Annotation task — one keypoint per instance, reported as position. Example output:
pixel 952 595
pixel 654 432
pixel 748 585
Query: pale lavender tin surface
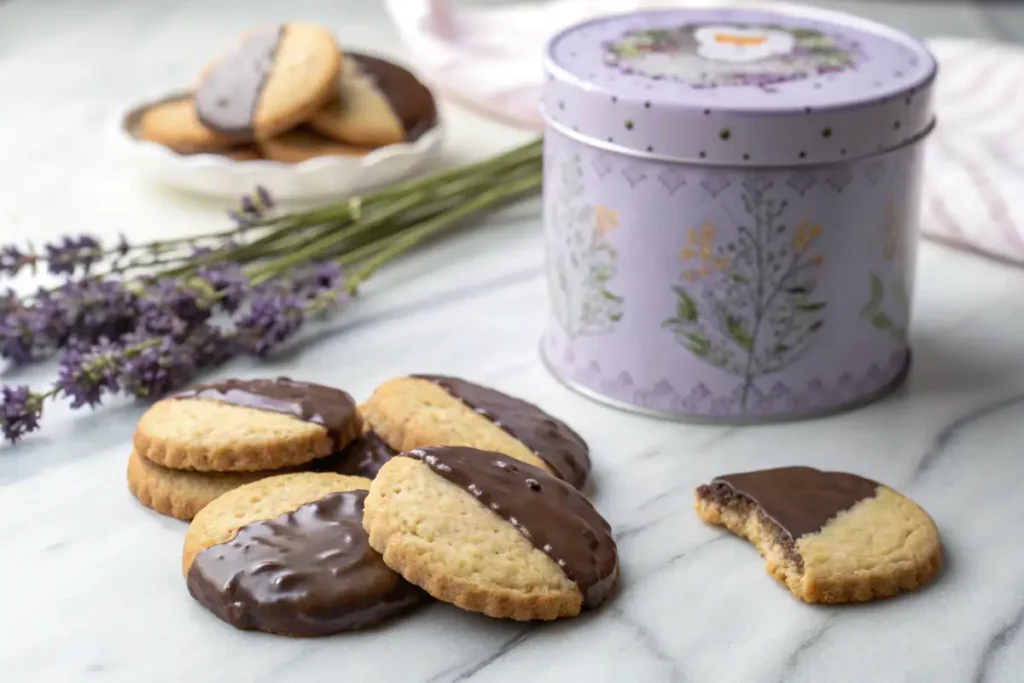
pixel 731 213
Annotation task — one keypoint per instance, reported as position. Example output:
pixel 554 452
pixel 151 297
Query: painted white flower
pixel 735 44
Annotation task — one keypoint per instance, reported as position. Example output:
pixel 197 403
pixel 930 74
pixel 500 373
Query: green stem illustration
pixel 756 315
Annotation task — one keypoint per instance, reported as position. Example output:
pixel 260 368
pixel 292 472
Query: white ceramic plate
pixel 218 176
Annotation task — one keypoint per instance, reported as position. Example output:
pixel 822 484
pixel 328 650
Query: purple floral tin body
pixel 731 207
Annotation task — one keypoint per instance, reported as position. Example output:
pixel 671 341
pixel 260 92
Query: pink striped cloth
pixel 486 58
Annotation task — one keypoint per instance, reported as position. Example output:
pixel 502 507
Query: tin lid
pixel 739 87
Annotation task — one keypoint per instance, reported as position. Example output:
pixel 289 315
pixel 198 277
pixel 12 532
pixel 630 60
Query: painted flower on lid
pixel 740 44
pixel 707 56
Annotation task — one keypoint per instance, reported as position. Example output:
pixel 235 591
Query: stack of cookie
pixel 435 487
pixel 210 439
pixel 289 93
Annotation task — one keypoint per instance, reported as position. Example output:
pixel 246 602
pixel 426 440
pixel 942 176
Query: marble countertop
pixel 90 583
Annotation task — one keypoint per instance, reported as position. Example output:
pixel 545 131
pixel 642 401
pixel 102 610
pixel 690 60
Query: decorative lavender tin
pixel 731 207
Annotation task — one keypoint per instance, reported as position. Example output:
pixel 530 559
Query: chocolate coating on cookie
pixel 310 572
pixel 798 500
pixel 548 512
pixel 553 441
pixel 332 409
pixel 227 99
pixel 362 458
pixel 409 99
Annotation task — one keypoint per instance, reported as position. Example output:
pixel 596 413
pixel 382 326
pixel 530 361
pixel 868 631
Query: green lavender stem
pixel 337 224
pixel 414 236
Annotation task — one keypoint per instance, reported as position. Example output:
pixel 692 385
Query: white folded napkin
pixel 489 58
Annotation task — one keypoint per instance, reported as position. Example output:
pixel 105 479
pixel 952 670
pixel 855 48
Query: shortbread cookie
pixel 182 493
pixel 289 555
pixel 377 103
pixel 433 410
pixel 247 425
pixel 490 534
pixel 274 79
pixel 302 144
pixel 174 125
pixel 830 537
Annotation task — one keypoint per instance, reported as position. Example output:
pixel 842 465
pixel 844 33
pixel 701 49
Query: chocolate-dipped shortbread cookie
pixel 829 537
pixel 289 555
pixel 434 410
pixel 275 78
pixel 377 103
pixel 173 123
pixel 491 534
pixel 247 425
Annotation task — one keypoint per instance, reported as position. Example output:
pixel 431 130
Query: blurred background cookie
pixel 432 410
pixel 303 144
pixel 243 153
pixel 247 425
pixel 289 555
pixel 377 103
pixel 829 537
pixel 274 79
pixel 490 534
pixel 174 124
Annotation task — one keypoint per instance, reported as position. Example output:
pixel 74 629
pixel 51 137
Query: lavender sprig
pixel 142 320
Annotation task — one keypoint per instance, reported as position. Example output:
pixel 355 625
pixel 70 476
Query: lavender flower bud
pixel 13 259
pixel 20 411
pixel 154 369
pixel 228 282
pixel 176 298
pixel 272 318
pixel 72 254
pixel 249 207
pixel 264 198
pixel 86 374
pixel 88 310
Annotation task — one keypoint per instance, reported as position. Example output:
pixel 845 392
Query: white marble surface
pixel 90 583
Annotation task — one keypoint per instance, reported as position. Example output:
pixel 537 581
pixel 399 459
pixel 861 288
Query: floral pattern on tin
pixel 708 56
pixel 888 304
pixel 582 266
pixel 748 307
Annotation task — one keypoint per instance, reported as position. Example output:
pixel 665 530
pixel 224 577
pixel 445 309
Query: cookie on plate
pixel 377 103
pixel 243 153
pixel 829 537
pixel 491 534
pixel 173 123
pixel 247 425
pixel 302 144
pixel 288 555
pixel 431 410
pixel 182 493
pixel 275 78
